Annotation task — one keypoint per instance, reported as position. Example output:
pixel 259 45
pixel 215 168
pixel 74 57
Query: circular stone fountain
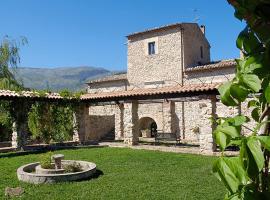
pixel 34 173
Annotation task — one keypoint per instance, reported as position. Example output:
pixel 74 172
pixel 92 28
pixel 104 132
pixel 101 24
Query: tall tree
pixel 9 59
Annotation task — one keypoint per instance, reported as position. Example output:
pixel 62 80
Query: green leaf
pixel 253 103
pixel 251 81
pixel 239 92
pixel 225 94
pixel 241 37
pixel 252 63
pixel 267 93
pixel 255 148
pixel 229 130
pixel 235 142
pixel 265 141
pixel 224 173
pixel 251 43
pixel 239 120
pixel 255 114
pixel 221 139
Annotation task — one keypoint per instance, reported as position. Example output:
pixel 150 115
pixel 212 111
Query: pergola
pixel 207 92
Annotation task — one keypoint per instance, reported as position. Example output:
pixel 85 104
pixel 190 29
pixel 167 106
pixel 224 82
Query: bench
pixel 161 136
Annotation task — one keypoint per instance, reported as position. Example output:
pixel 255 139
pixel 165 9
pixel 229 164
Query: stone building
pixel 170 85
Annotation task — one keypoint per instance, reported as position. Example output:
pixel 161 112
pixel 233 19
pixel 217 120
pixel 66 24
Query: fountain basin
pixel 27 173
pixel 40 170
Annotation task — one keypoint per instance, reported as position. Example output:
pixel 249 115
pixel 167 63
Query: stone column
pixel 131 133
pixel 18 135
pixel 14 142
pixel 75 137
pixel 119 128
pixel 80 123
pixel 168 115
pixel 19 126
pixel 207 110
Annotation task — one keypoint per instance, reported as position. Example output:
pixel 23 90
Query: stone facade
pixel 181 57
pixel 175 49
pixel 209 76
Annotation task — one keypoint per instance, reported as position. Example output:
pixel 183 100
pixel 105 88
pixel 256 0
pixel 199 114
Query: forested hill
pixel 55 79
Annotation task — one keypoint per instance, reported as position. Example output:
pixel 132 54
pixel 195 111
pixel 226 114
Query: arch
pixel 147 126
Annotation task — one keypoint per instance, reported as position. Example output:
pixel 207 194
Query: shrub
pixel 45 161
pixel 73 167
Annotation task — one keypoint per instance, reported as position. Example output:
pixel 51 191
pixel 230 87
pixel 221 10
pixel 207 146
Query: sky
pixel 69 33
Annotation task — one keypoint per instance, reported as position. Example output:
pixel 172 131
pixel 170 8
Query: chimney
pixel 202 27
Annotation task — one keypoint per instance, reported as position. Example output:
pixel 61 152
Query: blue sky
pixel 92 32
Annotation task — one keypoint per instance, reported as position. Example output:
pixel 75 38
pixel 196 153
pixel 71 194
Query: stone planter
pixel 28 174
pixel 40 170
pixel 146 133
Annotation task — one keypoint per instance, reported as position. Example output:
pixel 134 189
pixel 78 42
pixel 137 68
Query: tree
pixel 247 175
pixel 9 59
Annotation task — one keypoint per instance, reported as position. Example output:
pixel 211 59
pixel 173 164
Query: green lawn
pixel 125 174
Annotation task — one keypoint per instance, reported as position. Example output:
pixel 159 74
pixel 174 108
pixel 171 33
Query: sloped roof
pixel 115 77
pixel 213 65
pixel 28 94
pixel 151 92
pixel 168 26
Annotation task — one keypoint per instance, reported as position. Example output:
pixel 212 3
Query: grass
pixel 124 174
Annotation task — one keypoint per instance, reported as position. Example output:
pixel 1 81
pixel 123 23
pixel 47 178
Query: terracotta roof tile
pixel 115 77
pixel 28 94
pixel 149 92
pixel 213 65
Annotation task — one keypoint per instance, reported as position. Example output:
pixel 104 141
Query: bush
pixel 73 167
pixel 45 161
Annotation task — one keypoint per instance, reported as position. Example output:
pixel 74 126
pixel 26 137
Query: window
pixel 151 48
pixel 201 48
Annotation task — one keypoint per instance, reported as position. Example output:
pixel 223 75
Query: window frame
pixel 152 48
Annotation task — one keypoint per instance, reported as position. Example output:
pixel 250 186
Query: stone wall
pixel 209 76
pixel 130 118
pixel 107 86
pixel 99 126
pixel 99 121
pixel 187 120
pixel 152 110
pixel 194 40
pixel 207 110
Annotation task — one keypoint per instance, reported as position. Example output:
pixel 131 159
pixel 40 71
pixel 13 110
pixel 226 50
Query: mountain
pixel 55 79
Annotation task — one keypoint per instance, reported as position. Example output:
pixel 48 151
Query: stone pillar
pixel 168 115
pixel 14 142
pixel 80 123
pixel 207 111
pixel 75 136
pixel 18 135
pixel 130 118
pixel 119 122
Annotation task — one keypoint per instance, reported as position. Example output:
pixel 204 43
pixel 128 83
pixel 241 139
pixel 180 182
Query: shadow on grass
pixel 96 175
pixel 169 144
pixel 39 150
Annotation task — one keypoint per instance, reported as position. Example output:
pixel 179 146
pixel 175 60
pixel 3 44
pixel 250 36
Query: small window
pixel 151 48
pixel 201 48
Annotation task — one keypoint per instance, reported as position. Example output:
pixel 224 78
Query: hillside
pixel 55 79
